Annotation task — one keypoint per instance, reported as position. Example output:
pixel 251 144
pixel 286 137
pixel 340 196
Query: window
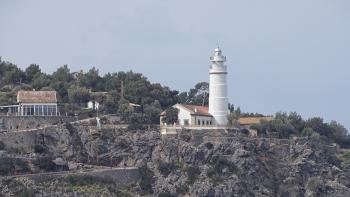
pixel 186 122
pixel 207 122
pixel 203 123
pixel 45 110
pixel 199 122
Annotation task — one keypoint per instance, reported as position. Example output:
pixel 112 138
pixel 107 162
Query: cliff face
pixel 218 163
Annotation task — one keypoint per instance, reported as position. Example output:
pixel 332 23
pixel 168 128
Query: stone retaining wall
pixel 117 175
pixel 15 123
pixel 24 141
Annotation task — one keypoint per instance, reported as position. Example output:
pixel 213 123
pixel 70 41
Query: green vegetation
pixel 221 168
pixel 171 115
pixel 114 92
pixel 209 145
pixel 165 194
pixel 38 148
pixel 118 92
pixel 345 156
pixel 10 166
pixel 81 180
pixel 47 165
pixel 165 168
pixel 146 180
pixel 2 145
pixel 292 124
pixel 192 173
pixel 27 193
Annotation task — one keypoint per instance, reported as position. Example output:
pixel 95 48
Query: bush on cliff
pixel 80 180
pixel 192 174
pixel 38 148
pixel 46 164
pixel 146 179
pixel 2 145
pixel 165 168
pixel 10 166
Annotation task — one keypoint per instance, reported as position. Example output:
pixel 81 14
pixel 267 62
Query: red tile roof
pixel 197 109
pixel 194 110
pixel 36 97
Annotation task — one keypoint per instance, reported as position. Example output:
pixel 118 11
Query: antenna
pixel 218 44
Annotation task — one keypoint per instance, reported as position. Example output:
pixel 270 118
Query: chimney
pixel 195 109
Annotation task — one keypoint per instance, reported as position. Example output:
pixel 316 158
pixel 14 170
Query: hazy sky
pixel 289 55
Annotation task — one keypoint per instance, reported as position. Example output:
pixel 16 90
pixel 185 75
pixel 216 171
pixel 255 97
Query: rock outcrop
pixel 210 163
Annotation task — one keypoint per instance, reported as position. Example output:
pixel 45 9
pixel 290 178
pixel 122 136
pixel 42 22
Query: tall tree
pixel 31 71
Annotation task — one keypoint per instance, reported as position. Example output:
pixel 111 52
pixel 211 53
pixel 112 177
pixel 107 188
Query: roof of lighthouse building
pixel 193 109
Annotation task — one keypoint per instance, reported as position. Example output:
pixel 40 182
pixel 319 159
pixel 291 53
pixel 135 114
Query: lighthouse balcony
pixel 218 58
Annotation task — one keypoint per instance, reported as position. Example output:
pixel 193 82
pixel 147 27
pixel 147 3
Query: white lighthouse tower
pixel 218 101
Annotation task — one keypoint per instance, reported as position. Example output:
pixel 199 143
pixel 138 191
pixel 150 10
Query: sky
pixel 282 55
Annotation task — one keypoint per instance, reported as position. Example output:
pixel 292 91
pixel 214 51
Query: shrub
pixel 80 180
pixel 10 166
pixel 38 148
pixel 2 145
pixel 6 167
pixel 209 145
pixel 307 131
pixel 192 173
pixel 165 194
pixel 221 163
pixel 165 168
pixel 182 189
pixel 46 164
pixel 70 128
pixel 146 179
pixel 26 193
pixel 185 136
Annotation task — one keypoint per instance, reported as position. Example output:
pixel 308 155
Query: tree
pixel 40 80
pixel 152 112
pixel 124 110
pixel 13 75
pixel 296 120
pixel 171 115
pixel 32 71
pixel 62 74
pixel 78 94
pixel 92 80
pixel 199 95
pixel 61 81
pixel 307 131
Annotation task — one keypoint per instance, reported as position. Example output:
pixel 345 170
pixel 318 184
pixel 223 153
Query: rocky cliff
pixel 211 163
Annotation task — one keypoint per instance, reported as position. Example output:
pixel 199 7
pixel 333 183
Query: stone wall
pixel 119 176
pixel 21 141
pixel 24 141
pixel 17 123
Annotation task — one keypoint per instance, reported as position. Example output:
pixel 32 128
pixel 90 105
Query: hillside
pixel 193 163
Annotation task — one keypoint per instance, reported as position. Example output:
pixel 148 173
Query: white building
pixel 217 112
pixel 93 105
pixel 34 103
pixel 191 115
pixel 218 101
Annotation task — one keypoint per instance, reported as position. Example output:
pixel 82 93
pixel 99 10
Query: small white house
pixel 191 116
pixel 93 105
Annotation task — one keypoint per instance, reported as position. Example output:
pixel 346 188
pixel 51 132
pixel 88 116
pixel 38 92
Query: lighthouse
pixel 218 101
